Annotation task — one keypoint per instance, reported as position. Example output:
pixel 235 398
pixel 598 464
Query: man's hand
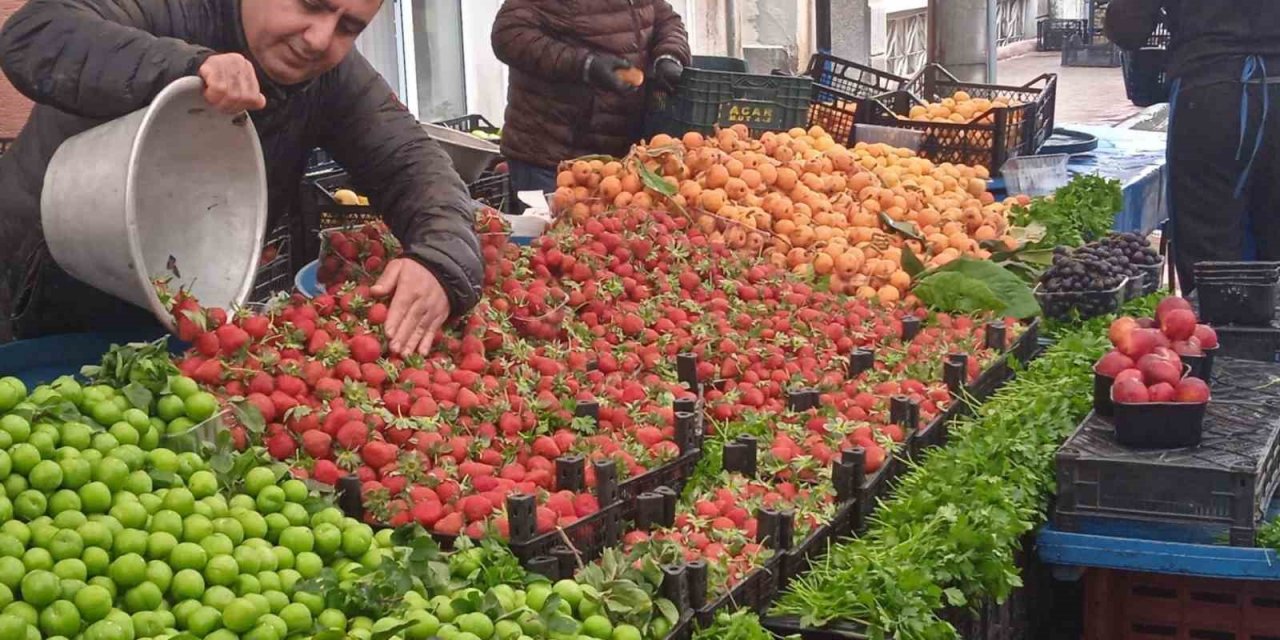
pixel 666 73
pixel 419 306
pixel 231 84
pixel 602 72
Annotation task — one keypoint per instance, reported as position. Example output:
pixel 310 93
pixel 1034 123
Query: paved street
pixel 1086 95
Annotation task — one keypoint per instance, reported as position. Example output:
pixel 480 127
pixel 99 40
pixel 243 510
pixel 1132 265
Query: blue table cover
pixel 1133 550
pixel 1137 160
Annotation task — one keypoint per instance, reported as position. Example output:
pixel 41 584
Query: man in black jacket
pixel 1224 132
pixel 290 64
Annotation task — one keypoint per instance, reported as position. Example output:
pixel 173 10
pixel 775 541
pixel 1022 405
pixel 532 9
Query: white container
pixel 176 181
pixel 1036 175
pixel 471 155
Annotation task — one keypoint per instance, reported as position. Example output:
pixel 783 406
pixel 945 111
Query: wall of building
pixel 13 107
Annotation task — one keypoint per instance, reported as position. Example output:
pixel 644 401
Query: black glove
pixel 602 71
pixel 666 74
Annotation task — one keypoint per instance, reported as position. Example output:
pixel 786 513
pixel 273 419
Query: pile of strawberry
pixel 598 312
pixel 357 254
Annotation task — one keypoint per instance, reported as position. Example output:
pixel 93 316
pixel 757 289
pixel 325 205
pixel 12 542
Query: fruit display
pixel 960 108
pixel 1156 376
pixel 806 203
pixel 594 312
pixel 1090 280
pixel 108 536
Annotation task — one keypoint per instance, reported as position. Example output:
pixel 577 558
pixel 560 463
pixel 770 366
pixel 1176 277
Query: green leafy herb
pixel 1080 212
pixel 948 536
pixel 739 625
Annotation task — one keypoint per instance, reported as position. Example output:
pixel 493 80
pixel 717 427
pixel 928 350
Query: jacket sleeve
pixel 100 58
pixel 669 35
pixel 1130 22
pixel 522 38
pixel 407 175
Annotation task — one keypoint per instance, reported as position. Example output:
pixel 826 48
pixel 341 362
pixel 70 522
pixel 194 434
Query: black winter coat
pixel 87 61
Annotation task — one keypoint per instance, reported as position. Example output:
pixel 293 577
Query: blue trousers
pixel 528 177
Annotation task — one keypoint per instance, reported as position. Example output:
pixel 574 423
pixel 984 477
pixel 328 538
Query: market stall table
pixel 1137 160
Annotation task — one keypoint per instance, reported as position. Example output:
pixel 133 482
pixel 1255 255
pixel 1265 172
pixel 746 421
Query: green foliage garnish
pixel 1080 212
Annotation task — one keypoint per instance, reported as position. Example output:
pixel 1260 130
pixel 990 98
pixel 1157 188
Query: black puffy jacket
pixel 1211 38
pixel 87 61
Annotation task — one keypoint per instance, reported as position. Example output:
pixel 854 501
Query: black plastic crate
pixel 796 560
pixel 708 99
pixel 1079 52
pixel 755 592
pixel 469 123
pixel 1023 350
pixel 672 475
pixel 1006 132
pixel 1021 615
pixel 577 544
pixel 1146 82
pixel 1051 33
pixel 276 266
pixel 1223 485
pixel 839 88
pixel 719 63
pixel 493 190
pixel 1249 343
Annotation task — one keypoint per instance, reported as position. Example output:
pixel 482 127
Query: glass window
pixel 438 59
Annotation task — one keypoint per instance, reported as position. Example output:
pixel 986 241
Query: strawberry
pixel 207 344
pixel 397 401
pixel 208 373
pixel 585 504
pixel 352 435
pixel 317 342
pixel 449 525
pixel 264 405
pixel 281 446
pixel 475 508
pixel 290 385
pixel 376 453
pixel 546 518
pixel 377 314
pixel 327 472
pixel 365 348
pixel 546 447
pixel 427 512
pixel 231 339
pixel 317 444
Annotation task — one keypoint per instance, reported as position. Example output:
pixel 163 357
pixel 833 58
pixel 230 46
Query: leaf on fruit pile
pixel 901 228
pixel 652 180
pixel 969 285
pixel 957 293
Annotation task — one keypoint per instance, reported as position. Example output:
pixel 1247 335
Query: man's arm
pixel 669 35
pixel 1130 22
pixel 521 40
pixel 99 58
pixel 407 175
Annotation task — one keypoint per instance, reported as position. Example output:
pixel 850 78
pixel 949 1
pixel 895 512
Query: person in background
pixel 290 64
pixel 567 96
pixel 1224 128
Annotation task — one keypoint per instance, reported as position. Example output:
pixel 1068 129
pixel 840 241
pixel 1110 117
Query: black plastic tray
pixel 1223 484
pixel 708 99
pixel 1251 304
pixel 1249 343
pixel 577 544
pixel 755 592
pixel 796 560
pixel 673 475
pixel 1019 617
